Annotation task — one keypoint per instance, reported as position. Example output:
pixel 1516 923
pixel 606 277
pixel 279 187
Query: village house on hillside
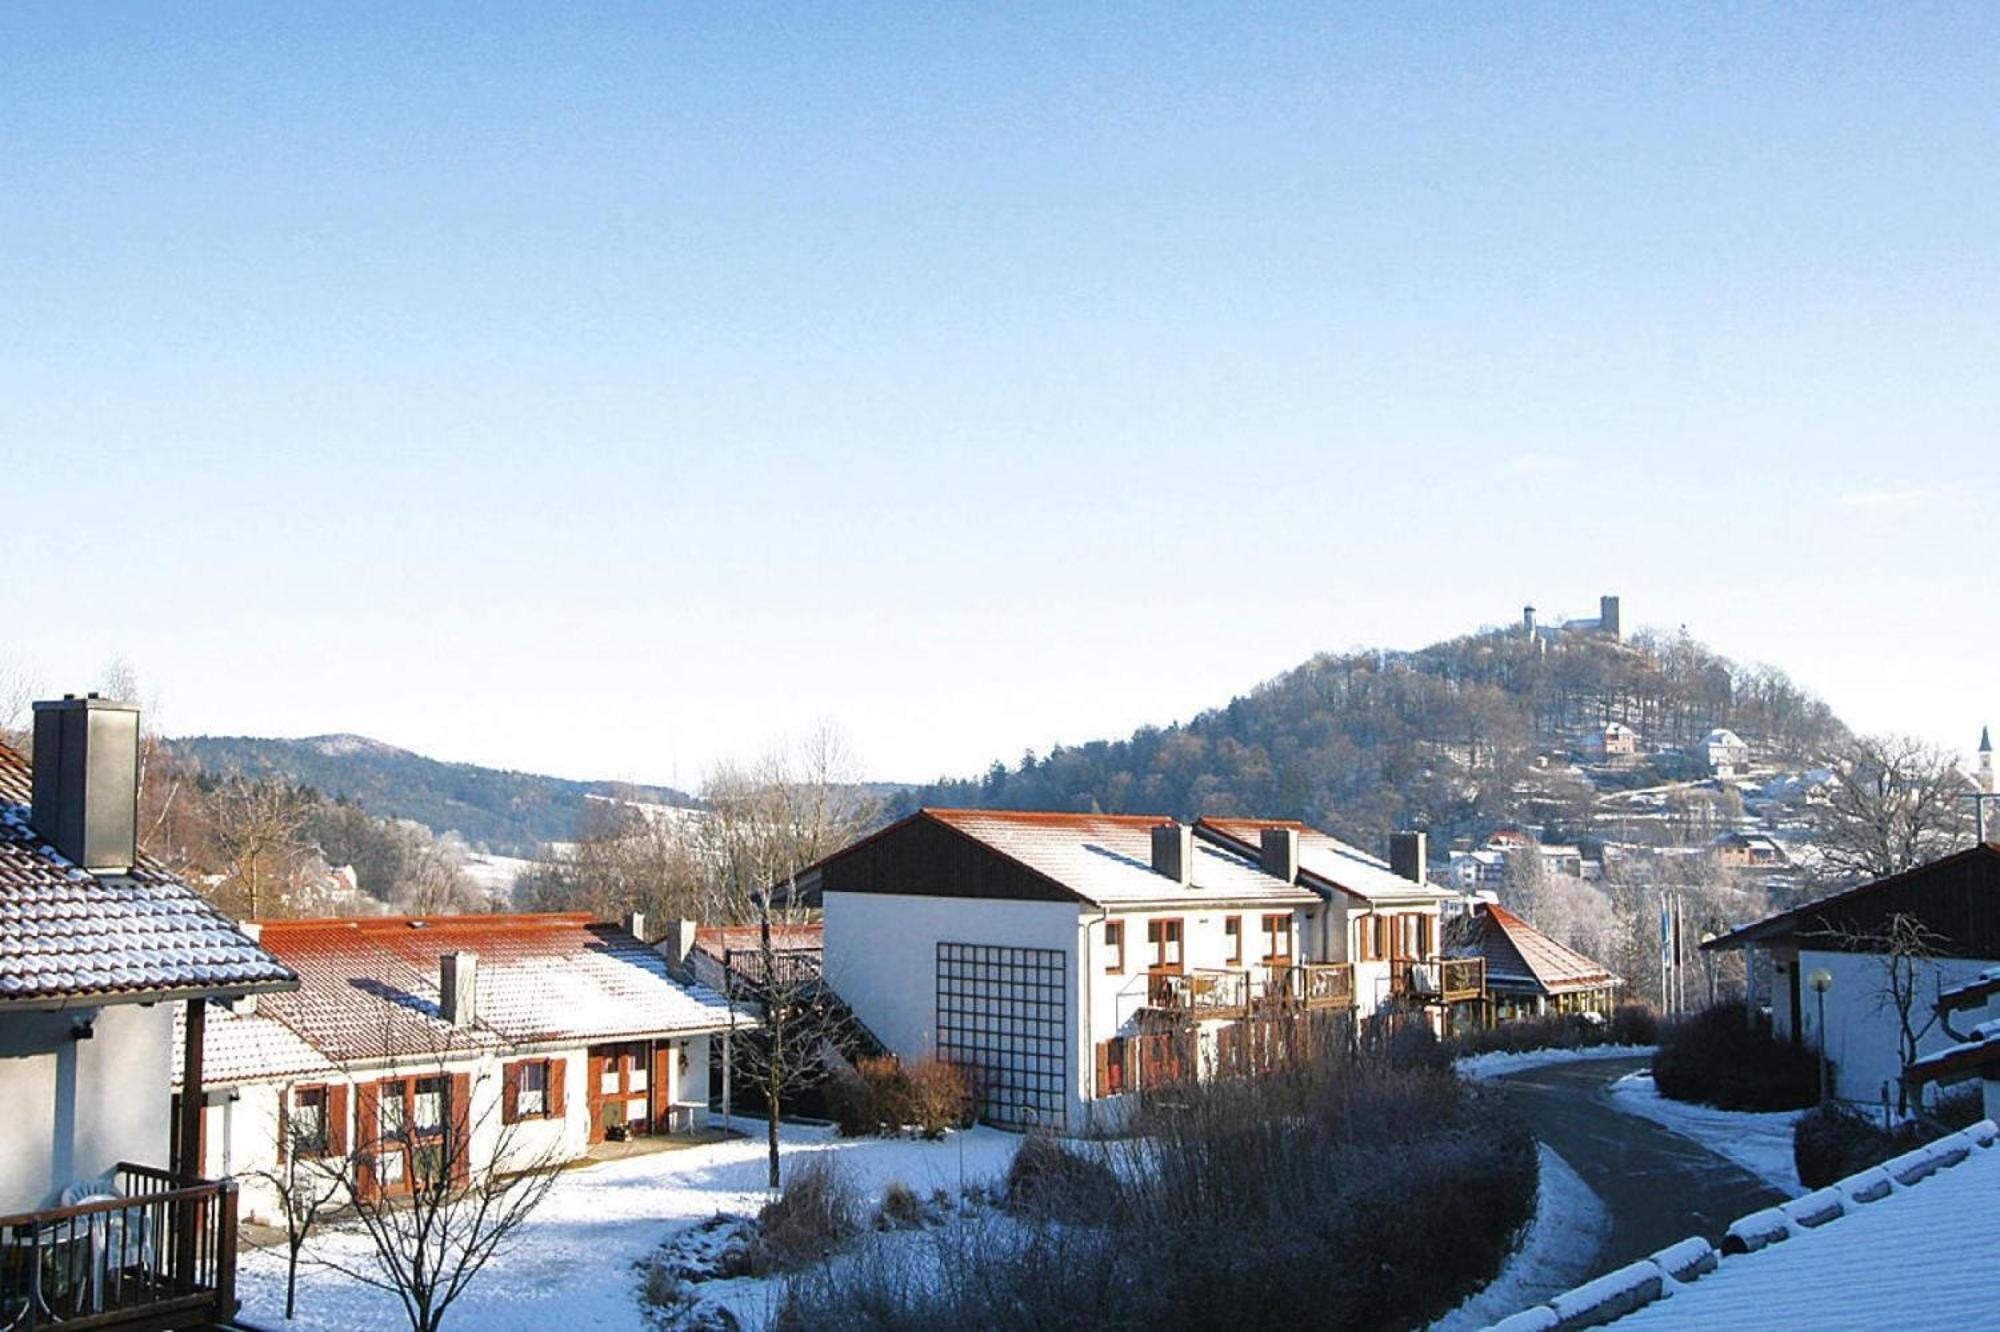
pixel 1725 752
pixel 101 951
pixel 1610 742
pixel 1957 902
pixel 1069 960
pixel 536 1035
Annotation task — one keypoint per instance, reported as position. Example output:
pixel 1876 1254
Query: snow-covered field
pixel 1759 1141
pixel 574 1266
pixel 1562 1242
pixel 1502 1062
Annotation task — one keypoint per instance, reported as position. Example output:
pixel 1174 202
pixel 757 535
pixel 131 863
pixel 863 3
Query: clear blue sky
pixel 607 392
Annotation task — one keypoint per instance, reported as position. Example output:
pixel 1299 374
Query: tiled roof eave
pixel 88 997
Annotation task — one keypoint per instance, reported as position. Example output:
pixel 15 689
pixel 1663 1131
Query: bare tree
pixel 1906 983
pixel 258 822
pixel 448 1214
pixel 310 1177
pixel 1895 803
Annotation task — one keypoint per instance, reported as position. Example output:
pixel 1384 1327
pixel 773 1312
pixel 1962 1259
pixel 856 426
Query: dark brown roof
pixel 1956 896
pixel 67 935
pixel 1520 957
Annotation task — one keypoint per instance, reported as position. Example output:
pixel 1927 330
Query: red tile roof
pixel 371 985
pixel 67 934
pixel 1520 956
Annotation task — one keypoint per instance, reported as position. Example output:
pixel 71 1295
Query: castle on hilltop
pixel 1607 623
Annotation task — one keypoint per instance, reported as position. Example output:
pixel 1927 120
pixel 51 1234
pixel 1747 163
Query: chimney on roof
pixel 1279 856
pixel 458 987
pixel 635 925
pixel 676 945
pixel 1409 855
pixel 86 794
pixel 1173 852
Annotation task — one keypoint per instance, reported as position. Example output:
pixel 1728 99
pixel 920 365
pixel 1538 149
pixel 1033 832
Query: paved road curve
pixel 1658 1186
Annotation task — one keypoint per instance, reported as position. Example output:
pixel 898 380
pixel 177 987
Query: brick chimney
pixel 458 987
pixel 1173 852
pixel 86 792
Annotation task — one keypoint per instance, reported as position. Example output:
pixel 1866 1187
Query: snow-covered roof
pixel 67 934
pixel 1327 860
pixel 1904 1244
pixel 1106 859
pixel 247 1047
pixel 370 988
pixel 1722 735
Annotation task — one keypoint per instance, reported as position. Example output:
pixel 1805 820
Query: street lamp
pixel 1821 981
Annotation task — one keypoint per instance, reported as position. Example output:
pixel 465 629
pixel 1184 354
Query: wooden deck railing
pixel 1438 980
pixel 1462 978
pixel 162 1254
pixel 1201 992
pixel 1219 993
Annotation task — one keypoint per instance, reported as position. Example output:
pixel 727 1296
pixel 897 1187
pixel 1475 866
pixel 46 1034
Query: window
pixel 531 1093
pixel 1425 926
pixel 1165 938
pixel 309 1121
pixel 407 1128
pixel 1374 938
pixel 1232 938
pixel 1111 1066
pixel 1114 945
pixel 1278 938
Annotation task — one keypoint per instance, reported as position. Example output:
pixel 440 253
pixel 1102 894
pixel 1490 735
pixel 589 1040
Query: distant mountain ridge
pixel 512 813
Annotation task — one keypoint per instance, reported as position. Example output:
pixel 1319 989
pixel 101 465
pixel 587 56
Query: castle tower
pixel 1527 621
pixel 1607 617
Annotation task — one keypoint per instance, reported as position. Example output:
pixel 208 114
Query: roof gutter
pixel 63 1003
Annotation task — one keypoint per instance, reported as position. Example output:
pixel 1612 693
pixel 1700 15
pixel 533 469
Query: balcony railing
pixel 1439 980
pixel 1202 992
pixel 161 1254
pixel 1216 993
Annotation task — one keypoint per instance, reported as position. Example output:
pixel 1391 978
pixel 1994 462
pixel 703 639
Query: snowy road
pixel 1659 1186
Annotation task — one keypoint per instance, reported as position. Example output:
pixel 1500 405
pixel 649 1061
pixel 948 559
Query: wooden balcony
pixel 1446 980
pixel 1317 985
pixel 1200 993
pixel 161 1254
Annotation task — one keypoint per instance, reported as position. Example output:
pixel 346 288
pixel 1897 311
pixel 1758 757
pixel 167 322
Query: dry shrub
pixel 818 1211
pixel 1046 1179
pixel 938 1098
pixel 1634 1024
pixel 901 1209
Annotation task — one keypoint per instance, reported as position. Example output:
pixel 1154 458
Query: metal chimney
pixel 1409 855
pixel 1280 853
pixel 458 987
pixel 1173 852
pixel 86 795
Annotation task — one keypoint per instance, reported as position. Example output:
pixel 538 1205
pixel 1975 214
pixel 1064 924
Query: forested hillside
pixel 508 812
pixel 1444 738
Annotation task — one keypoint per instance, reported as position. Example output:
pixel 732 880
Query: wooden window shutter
pixel 1104 1068
pixel 510 1093
pixel 557 1066
pixel 367 1137
pixel 336 1120
pixel 461 1126
pixel 285 1124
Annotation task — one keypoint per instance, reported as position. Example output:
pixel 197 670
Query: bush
pixel 1719 1058
pixel 938 1098
pixel 1831 1142
pixel 881 1096
pixel 1634 1024
pixel 1047 1179
pixel 817 1212
pixel 901 1209
pixel 1558 1031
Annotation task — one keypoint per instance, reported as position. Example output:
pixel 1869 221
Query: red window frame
pixel 1162 931
pixel 1278 935
pixel 1232 934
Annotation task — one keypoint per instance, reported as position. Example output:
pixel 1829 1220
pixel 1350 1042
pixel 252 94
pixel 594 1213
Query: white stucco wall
pixel 72 1109
pixel 1861 1024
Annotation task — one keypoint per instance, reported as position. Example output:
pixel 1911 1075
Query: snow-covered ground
pixel 1562 1242
pixel 1502 1062
pixel 574 1266
pixel 1759 1141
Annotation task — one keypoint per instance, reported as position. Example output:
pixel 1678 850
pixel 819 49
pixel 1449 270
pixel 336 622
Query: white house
pixel 1953 898
pixel 1067 960
pixel 1725 752
pixel 533 1037
pixel 100 950
pixel 1613 740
